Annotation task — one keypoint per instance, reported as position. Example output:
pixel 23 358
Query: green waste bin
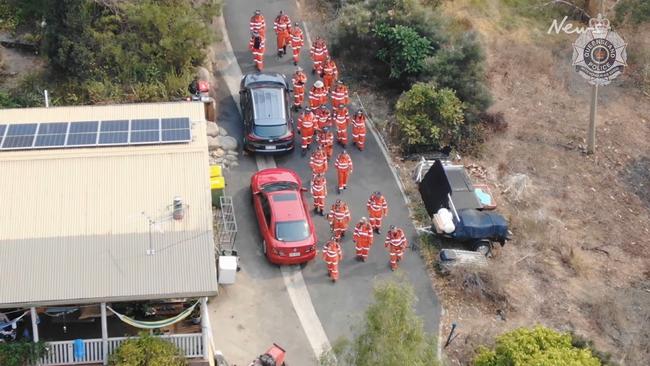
pixel 217 185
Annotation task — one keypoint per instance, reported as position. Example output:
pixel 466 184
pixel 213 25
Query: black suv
pixel 268 125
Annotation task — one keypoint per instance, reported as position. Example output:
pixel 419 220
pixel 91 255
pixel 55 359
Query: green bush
pixel 391 334
pixel 21 353
pixel 403 50
pixel 429 116
pixel 147 350
pixel 634 11
pixel 126 51
pixel 461 66
pixel 353 36
pixel 537 346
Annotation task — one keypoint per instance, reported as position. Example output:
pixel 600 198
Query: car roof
pixel 286 206
pixel 268 106
pixel 264 78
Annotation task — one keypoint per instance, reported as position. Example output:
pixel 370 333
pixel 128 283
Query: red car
pixel 283 217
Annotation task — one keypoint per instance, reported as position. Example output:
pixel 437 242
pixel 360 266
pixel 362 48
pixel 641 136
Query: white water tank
pixel 227 269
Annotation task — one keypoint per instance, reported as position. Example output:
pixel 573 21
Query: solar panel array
pixel 46 135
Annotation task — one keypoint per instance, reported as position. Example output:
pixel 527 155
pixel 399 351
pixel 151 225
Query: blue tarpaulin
pixel 475 224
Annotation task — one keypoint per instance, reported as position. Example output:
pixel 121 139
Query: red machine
pixel 274 356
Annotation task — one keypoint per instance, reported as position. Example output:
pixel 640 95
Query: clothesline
pixel 13 322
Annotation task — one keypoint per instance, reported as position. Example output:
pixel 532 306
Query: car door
pixel 245 103
pixel 265 217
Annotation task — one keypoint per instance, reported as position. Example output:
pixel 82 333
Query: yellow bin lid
pixel 215 171
pixel 217 183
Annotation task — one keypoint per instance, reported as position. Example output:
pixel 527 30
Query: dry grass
pixel 579 261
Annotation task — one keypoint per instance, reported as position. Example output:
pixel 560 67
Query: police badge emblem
pixel 599 53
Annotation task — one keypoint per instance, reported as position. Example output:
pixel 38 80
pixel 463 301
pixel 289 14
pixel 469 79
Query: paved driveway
pixel 270 316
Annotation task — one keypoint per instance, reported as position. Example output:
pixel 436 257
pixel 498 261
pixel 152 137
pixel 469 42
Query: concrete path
pixel 259 310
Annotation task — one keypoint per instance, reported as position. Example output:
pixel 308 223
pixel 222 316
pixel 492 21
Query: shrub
pixel 403 49
pixel 495 122
pixel 147 350
pixel 460 66
pixel 429 116
pixel 21 353
pixel 536 346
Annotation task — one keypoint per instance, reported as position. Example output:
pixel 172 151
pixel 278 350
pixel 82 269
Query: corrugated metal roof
pixel 74 223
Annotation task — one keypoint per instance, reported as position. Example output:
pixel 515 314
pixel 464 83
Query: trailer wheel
pixel 482 246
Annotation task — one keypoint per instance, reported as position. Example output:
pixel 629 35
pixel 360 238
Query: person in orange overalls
pixel 396 243
pixel 317 95
pixel 341 119
pixel 340 95
pixel 362 238
pixel 359 130
pixel 377 209
pixel 332 255
pixel 306 129
pixel 325 139
pixel 281 27
pixel 256 46
pixel 318 54
pixel 258 24
pixel 318 162
pixel 297 41
pixel 330 73
pixel 323 116
pixel 319 192
pixel 339 218
pixel 299 80
pixel 344 168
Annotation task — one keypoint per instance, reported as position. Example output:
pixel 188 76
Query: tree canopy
pixel 392 334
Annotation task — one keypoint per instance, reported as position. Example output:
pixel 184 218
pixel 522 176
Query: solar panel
pixel 12 142
pixel 20 130
pixel 112 126
pixel 145 136
pixel 113 138
pixel 51 134
pixel 176 135
pixel 175 123
pixel 94 133
pixel 3 128
pixel 145 124
pixel 81 139
pixel 49 140
pixel 176 129
pixel 79 127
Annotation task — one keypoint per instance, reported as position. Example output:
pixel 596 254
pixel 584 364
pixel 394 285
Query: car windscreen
pixel 270 131
pixel 288 231
pixel 280 186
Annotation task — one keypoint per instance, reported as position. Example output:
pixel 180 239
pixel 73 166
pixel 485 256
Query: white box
pixel 227 269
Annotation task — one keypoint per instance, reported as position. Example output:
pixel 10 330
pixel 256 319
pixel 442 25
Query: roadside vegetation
pixel 110 51
pixel 536 346
pixel 391 333
pixel 406 43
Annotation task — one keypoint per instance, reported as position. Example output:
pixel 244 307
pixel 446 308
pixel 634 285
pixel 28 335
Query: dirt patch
pixel 14 64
